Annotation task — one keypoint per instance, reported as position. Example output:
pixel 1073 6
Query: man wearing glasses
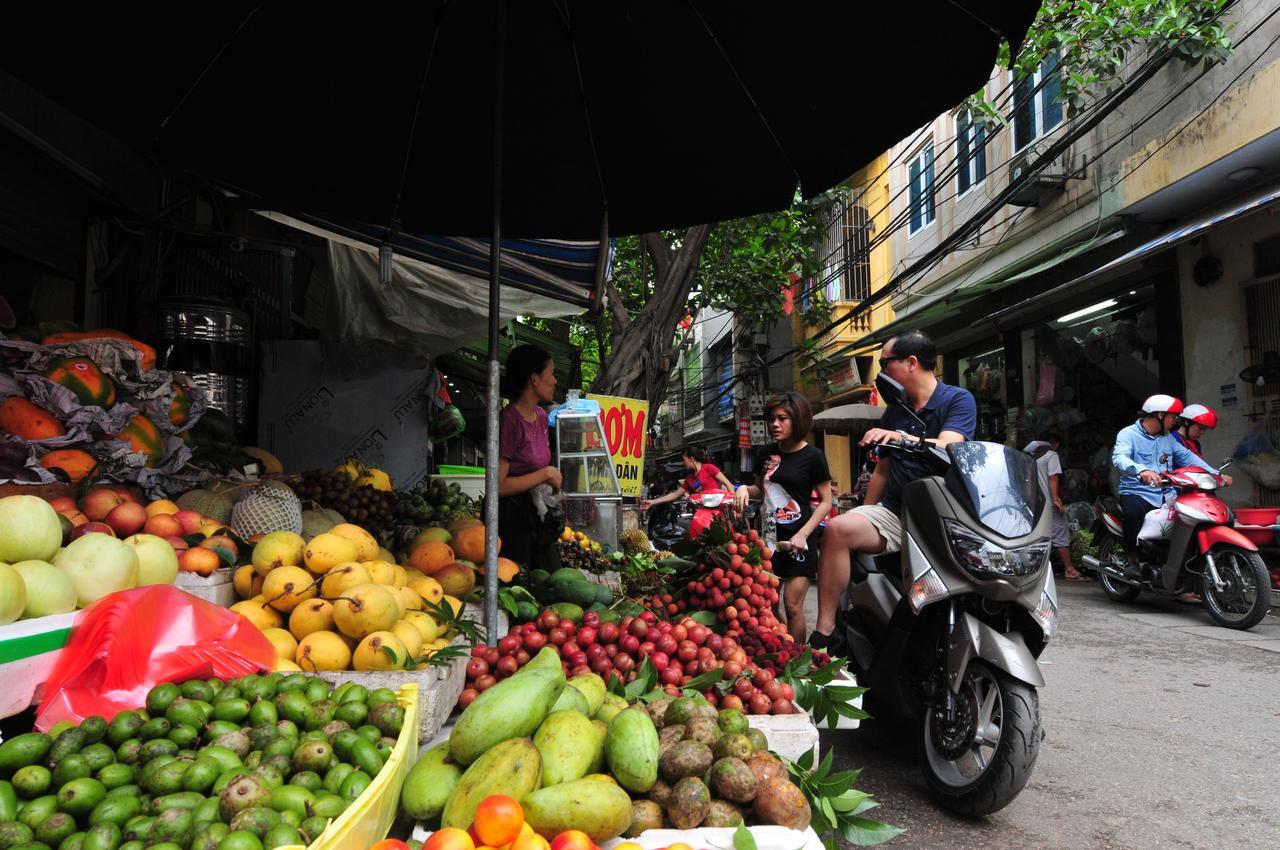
pixel 950 415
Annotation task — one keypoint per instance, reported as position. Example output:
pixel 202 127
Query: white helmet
pixel 1200 415
pixel 1161 403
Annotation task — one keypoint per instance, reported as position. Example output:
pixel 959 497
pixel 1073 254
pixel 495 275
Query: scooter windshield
pixel 998 485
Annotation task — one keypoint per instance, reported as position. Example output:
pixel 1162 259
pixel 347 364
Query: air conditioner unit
pixel 1039 188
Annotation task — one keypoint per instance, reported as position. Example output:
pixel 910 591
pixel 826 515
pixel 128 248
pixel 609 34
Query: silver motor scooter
pixel 947 632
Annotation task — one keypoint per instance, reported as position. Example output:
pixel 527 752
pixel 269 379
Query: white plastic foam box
pixel 767 838
pixel 29 649
pixel 789 735
pixel 845 678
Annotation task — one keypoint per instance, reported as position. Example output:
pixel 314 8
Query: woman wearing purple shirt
pixel 524 459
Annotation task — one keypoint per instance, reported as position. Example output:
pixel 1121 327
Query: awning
pixel 848 417
pixel 949 303
pixel 430 305
pixel 1229 212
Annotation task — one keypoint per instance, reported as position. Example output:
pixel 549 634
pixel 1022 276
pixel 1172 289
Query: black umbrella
pixel 551 118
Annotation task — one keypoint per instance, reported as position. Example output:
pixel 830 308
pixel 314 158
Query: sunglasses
pixel 884 360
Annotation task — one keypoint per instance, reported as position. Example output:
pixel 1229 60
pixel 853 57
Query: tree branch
pixel 661 253
pixel 619 309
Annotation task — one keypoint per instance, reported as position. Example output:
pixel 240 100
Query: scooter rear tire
pixel 1116 591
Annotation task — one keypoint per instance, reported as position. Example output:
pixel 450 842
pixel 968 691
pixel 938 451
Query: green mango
pixel 593 688
pixel 512 767
pixel 571 699
pixel 430 783
pixel 597 807
pixel 513 708
pixel 631 750
pixel 568 745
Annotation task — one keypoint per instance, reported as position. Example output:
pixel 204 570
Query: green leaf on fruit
pixel 706 680
pixel 706 618
pixel 743 839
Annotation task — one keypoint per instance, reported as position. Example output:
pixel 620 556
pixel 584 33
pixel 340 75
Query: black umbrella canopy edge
pixel 670 113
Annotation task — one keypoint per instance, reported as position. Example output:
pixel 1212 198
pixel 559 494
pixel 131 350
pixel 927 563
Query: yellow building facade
pixel 857 262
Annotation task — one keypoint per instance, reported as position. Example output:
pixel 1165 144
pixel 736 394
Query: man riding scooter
pixel 1142 451
pixel 949 415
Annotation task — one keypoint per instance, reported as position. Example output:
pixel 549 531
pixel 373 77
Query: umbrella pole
pixel 495 293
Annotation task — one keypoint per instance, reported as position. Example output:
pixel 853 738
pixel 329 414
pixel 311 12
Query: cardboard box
pixel 322 403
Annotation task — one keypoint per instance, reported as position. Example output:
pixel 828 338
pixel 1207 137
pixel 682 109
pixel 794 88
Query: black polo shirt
pixel 948 409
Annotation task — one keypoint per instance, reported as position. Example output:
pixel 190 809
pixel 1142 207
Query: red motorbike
pixel 707 505
pixel 1188 544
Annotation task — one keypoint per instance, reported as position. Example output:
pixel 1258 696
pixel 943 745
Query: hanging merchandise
pixel 1048 382
pixel 1259 458
pixel 1097 345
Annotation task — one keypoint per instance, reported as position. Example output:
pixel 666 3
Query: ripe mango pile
pixel 340 602
pixel 575 759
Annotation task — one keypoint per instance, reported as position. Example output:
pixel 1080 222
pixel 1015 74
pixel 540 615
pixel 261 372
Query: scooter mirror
pixel 894 394
pixel 890 390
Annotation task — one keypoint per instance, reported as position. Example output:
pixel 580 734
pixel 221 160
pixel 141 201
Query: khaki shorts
pixel 886 523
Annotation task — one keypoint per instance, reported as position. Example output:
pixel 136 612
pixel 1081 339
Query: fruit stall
pixel 643 695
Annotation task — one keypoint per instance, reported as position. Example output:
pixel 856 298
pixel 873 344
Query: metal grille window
pixel 845 251
pixel 1036 109
pixel 921 185
pixel 971 152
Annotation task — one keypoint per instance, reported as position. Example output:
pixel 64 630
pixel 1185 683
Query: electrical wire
pixel 1078 127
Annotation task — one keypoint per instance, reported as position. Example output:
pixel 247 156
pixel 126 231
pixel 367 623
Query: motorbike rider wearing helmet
pixel 1195 420
pixel 1142 451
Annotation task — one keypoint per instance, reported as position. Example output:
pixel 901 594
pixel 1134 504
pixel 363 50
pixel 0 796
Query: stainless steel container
pixel 213 343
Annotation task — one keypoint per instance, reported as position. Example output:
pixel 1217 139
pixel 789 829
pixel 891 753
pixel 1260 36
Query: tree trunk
pixel 642 353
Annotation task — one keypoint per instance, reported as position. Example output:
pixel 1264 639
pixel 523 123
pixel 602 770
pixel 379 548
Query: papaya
pixel 568 744
pixel 600 809
pixel 77 464
pixel 21 418
pixel 512 767
pixel 631 750
pixel 143 436
pixel 148 359
pixel 513 708
pixel 83 377
pixel 430 783
pixel 180 406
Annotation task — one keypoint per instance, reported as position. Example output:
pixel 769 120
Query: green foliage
pixel 815 692
pixel 1095 40
pixel 1081 545
pixel 838 806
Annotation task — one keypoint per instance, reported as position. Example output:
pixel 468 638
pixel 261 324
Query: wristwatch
pixel 904 435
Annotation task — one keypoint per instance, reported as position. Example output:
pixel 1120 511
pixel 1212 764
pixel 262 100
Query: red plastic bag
pixel 127 643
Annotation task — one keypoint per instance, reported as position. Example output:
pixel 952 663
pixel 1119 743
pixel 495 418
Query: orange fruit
pixel 449 838
pixel 498 820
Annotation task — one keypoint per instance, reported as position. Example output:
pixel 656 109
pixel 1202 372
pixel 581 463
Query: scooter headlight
pixel 984 560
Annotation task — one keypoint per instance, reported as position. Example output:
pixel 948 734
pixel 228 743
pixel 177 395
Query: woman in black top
pixel 787 474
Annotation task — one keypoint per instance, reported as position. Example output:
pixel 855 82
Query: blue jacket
pixel 1137 450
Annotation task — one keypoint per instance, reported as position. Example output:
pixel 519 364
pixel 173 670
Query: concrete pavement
pixel 1162 730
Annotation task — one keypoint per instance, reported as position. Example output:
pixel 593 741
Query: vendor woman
pixel 703 475
pixel 524 459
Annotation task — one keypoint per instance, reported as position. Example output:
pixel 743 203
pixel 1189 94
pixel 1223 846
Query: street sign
pixel 625 421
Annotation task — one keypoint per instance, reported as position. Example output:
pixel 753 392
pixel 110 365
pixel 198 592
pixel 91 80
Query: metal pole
pixel 495 294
